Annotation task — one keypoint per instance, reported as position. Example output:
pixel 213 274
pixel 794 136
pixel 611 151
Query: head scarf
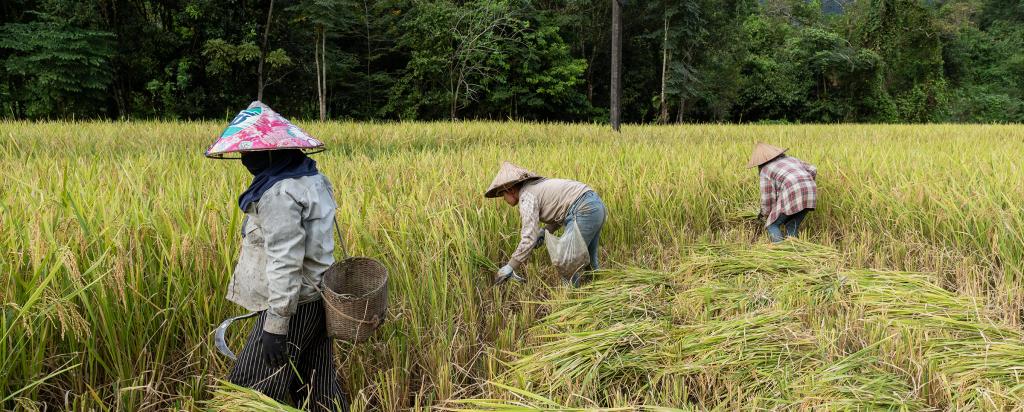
pixel 272 166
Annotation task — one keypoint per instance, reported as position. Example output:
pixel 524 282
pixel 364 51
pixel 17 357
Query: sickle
pixel 218 335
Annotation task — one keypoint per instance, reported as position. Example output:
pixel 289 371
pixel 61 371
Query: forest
pixel 683 61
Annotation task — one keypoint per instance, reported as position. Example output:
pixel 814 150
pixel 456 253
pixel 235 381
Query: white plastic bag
pixel 568 253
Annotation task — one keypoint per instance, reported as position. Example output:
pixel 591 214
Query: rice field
pixel 906 291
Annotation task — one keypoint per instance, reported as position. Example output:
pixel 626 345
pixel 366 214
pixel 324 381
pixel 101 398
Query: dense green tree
pixel 541 80
pixel 683 60
pixel 905 33
pixel 54 69
pixel 984 62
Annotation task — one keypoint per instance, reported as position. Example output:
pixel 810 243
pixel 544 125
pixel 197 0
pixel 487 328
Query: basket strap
pixel 316 285
pixel 344 254
pixel 341 240
pixel 376 318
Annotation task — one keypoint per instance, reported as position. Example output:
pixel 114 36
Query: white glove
pixel 507 273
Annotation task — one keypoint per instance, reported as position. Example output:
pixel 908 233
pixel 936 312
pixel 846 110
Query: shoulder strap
pixel 341 240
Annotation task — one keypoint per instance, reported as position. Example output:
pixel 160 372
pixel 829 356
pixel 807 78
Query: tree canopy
pixel 683 60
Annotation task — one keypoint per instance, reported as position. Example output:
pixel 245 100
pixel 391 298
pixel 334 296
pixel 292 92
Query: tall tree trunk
pixel 324 53
pixel 455 101
pixel 455 96
pixel 263 52
pixel 323 69
pixel 616 66
pixel 682 109
pixel 369 53
pixel 663 116
pixel 316 63
pixel 590 70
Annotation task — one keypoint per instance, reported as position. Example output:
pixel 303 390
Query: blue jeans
pixel 588 214
pixel 791 223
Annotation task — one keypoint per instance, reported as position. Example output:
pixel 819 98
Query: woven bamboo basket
pixel 355 292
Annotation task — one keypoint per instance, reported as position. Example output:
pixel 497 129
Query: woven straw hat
pixel 508 176
pixel 257 128
pixel 763 152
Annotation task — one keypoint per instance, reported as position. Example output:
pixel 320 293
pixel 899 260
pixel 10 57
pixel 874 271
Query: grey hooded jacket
pixel 287 244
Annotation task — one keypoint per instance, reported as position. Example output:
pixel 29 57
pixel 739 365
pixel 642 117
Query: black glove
pixel 275 352
pixel 540 240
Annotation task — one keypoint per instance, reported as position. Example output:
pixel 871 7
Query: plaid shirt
pixel 787 187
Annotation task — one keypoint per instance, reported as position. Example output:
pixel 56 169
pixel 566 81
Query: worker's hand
pixel 507 273
pixel 275 352
pixel 540 240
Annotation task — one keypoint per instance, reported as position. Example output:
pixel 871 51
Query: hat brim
pixel 752 165
pixel 497 191
pixel 235 155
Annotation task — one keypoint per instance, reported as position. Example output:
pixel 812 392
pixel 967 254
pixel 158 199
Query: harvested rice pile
pixel 763 327
pixel 230 397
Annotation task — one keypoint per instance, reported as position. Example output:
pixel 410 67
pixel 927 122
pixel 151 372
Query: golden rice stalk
pixel 230 397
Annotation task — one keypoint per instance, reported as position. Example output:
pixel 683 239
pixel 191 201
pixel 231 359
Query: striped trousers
pixel 309 380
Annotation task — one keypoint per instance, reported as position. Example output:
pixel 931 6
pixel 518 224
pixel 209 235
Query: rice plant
pixel 118 240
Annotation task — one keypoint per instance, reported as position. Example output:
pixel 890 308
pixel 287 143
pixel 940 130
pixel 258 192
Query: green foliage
pixel 984 104
pixel 839 82
pixel 456 50
pixel 769 88
pixel 913 58
pixel 169 89
pixel 541 80
pixel 684 61
pixel 55 69
pixel 221 55
pixel 988 67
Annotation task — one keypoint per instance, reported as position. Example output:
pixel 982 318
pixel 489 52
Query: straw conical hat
pixel 261 128
pixel 509 175
pixel 763 152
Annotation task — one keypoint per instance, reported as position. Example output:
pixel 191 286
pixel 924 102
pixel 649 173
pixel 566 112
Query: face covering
pixel 256 162
pixel 272 166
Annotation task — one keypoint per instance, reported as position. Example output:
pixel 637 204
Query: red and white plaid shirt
pixel 787 187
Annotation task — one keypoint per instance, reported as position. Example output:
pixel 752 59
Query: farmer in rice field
pixel 555 202
pixel 788 189
pixel 287 244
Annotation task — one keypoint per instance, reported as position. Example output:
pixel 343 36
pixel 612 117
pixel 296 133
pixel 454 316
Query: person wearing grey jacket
pixel 287 245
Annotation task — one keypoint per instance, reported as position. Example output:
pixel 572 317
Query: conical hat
pixel 763 152
pixel 260 128
pixel 508 176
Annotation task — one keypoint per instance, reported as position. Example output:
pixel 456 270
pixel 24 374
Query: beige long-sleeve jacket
pixel 287 245
pixel 547 201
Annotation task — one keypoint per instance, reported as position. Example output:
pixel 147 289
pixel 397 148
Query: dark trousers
pixel 309 380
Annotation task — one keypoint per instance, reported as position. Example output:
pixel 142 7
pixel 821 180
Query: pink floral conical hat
pixel 261 128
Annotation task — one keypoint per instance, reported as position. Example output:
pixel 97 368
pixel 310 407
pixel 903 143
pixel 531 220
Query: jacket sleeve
pixel 281 220
pixel 767 195
pixel 529 232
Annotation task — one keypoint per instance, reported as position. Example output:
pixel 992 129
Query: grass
pixel 118 240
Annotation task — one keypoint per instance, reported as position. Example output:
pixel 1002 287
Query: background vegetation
pixel 118 239
pixel 684 60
